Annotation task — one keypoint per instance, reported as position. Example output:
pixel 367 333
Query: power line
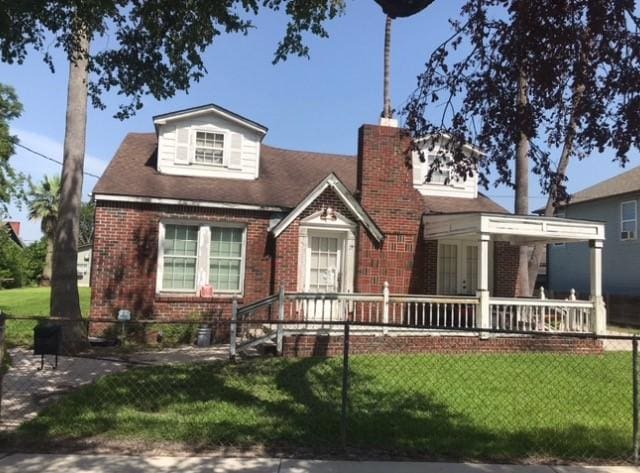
pixel 37 153
pixel 505 196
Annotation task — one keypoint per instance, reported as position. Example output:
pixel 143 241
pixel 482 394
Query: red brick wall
pixel 385 190
pixel 505 270
pixel 287 244
pixel 318 345
pixel 125 254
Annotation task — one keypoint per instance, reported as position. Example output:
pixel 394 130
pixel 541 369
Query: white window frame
pixel 634 220
pixel 243 256
pixel 202 256
pixel 461 261
pixel 445 169
pixel 225 147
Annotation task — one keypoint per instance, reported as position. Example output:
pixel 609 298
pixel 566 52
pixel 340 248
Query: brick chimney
pixel 385 190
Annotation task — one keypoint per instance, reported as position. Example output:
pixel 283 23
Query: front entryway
pixel 325 265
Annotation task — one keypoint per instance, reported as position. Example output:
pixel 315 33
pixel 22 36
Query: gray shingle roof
pixel 624 183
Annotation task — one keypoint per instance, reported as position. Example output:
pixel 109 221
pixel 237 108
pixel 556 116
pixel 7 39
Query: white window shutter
pixel 182 146
pixel 235 151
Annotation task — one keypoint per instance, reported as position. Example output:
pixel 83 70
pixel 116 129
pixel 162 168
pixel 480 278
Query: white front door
pixel 457 267
pixel 324 272
pixel 324 263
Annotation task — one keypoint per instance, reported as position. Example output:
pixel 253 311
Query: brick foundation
pixel 319 345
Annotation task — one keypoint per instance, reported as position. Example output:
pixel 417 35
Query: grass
pixel 505 407
pixel 32 301
pixel 623 330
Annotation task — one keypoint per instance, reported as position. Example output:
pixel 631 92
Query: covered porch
pixel 531 314
pixel 466 309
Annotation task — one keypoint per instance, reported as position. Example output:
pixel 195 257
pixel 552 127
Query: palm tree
pixel 395 9
pixel 43 201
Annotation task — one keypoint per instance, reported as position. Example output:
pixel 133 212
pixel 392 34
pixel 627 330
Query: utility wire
pixel 37 153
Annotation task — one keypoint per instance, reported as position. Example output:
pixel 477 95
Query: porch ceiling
pixel 516 229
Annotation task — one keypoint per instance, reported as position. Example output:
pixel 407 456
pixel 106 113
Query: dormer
pixel 208 141
pixel 444 182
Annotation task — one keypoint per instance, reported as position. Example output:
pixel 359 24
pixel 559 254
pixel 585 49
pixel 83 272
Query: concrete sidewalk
pixel 23 463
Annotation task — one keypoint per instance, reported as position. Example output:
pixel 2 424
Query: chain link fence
pixel 339 388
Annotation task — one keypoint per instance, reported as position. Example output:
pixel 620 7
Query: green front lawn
pixel 31 301
pixel 534 406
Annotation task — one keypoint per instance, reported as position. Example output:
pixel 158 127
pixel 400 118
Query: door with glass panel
pixel 324 262
pixel 457 267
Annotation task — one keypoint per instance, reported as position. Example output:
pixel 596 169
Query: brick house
pixel 201 212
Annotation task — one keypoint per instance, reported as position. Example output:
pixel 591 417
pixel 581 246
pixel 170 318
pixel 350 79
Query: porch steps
pixel 264 341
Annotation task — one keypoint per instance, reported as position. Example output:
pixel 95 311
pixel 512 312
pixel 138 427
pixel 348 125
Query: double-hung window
pixel 439 175
pixel 180 257
pixel 225 258
pixel 628 220
pixel 209 148
pixel 196 254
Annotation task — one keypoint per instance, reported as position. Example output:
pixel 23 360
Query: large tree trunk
pixel 563 164
pixel 48 261
pixel 522 188
pixel 387 111
pixel 64 283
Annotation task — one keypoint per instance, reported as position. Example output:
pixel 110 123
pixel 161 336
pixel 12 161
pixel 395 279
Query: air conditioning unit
pixel 628 235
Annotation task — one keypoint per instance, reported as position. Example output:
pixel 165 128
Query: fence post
pixel 280 329
pixel 345 385
pixel 2 367
pixel 385 307
pixel 636 411
pixel 233 327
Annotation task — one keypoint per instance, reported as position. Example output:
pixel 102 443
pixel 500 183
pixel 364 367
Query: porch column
pixel 599 313
pixel 484 315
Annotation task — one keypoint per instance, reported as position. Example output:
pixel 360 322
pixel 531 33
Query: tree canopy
pixel 10 181
pixel 151 47
pixel 581 60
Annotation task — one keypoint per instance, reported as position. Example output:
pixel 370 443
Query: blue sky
pixel 316 104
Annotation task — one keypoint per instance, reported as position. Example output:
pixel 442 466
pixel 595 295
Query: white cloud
pixel 37 167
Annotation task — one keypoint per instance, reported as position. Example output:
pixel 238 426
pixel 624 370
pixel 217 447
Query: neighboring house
pixel 614 202
pixel 13 228
pixel 202 203
pixel 84 265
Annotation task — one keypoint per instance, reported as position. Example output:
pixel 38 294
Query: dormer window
pixel 209 148
pixel 443 180
pixel 440 175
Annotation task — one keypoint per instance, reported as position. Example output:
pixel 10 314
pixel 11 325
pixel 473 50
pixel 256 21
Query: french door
pixel 457 267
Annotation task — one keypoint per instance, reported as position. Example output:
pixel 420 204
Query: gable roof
pixel 624 183
pixel 347 198
pixel 286 178
pixel 209 108
pixel 13 228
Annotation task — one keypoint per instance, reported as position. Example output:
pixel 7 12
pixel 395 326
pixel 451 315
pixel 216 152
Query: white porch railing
pixel 395 310
pixel 385 312
pixel 536 315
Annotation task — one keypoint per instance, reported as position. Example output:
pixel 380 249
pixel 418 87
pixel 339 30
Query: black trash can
pixel 47 340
